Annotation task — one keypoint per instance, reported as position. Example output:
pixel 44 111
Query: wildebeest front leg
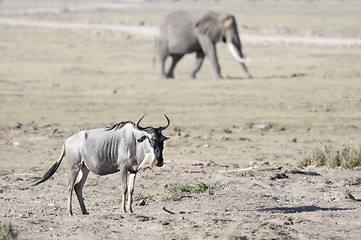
pixel 131 181
pixel 83 174
pixel 123 187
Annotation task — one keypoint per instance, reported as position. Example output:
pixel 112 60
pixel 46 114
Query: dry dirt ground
pixel 263 201
pixel 242 138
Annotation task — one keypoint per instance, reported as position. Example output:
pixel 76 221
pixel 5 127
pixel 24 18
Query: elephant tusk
pixel 236 54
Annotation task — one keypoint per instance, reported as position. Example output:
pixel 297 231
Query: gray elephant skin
pixel 184 32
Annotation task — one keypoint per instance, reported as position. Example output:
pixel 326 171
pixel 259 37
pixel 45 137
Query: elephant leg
pixel 214 60
pixel 199 60
pixel 175 60
pixel 209 49
pixel 161 70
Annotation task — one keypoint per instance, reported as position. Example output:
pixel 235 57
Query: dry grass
pixel 176 191
pixel 345 156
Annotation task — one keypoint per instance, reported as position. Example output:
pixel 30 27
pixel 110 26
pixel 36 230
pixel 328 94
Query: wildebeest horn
pixel 162 128
pixel 139 127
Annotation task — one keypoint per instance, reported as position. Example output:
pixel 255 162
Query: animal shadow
pixel 300 209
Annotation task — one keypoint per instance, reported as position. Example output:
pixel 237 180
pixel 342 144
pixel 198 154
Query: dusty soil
pixel 263 201
pixel 67 67
pixel 259 201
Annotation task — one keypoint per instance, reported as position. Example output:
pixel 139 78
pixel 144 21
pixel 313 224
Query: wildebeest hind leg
pixel 72 178
pixel 83 174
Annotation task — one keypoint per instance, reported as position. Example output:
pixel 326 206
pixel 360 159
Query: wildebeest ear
pixel 141 139
pixel 166 138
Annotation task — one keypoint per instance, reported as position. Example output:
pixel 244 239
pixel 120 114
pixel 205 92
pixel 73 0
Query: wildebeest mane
pixel 119 125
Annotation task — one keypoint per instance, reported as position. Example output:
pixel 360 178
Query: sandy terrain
pixel 263 201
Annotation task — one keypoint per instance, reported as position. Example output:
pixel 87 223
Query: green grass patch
pixel 137 196
pixel 176 191
pixel 346 156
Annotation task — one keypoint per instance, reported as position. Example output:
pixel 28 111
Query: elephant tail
pixel 154 49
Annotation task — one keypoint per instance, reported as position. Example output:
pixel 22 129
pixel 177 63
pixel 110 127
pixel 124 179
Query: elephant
pixel 184 32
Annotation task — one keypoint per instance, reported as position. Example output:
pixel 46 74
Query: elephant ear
pixel 210 26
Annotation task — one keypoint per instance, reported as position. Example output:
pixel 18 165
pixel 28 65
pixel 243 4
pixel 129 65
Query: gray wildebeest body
pixel 123 148
pixel 184 32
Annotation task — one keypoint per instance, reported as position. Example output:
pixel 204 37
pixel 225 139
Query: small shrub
pixel 175 191
pixel 346 156
pixel 7 232
pixel 137 196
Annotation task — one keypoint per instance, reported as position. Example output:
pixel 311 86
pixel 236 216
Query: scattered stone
pixel 278 176
pixel 225 138
pixel 164 223
pixel 282 129
pixel 244 139
pixel 142 202
pixel 263 126
pixel 227 130
pixel 142 218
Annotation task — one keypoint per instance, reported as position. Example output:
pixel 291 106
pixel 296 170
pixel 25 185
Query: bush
pixel 345 156
pixel 7 232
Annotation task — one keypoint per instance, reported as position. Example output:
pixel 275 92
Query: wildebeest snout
pixel 159 156
pixel 159 163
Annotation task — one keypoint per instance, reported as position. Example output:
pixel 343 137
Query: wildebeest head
pixel 156 140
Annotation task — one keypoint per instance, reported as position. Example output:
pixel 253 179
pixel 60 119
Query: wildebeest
pixel 124 147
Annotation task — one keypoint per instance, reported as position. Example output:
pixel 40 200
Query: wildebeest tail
pixel 53 169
